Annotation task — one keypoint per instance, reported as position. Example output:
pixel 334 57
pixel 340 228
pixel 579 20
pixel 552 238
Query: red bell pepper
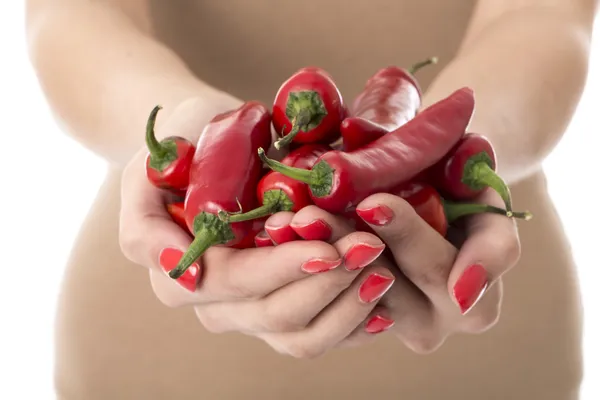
pixel 390 99
pixel 224 173
pixel 168 161
pixel 339 180
pixel 308 108
pixel 468 169
pixel 440 213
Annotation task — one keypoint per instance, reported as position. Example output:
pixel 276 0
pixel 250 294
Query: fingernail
pixel 318 265
pixel 378 324
pixel 281 234
pixel 374 287
pixel 362 254
pixel 470 287
pixel 380 215
pixel 262 239
pixel 315 230
pixel 168 259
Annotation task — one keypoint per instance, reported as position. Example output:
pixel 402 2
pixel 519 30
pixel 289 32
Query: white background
pixel 48 183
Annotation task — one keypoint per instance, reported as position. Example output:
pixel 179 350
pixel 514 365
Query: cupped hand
pixel 440 288
pixel 302 298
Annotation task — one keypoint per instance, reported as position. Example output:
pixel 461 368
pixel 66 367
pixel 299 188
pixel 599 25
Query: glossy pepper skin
pixel 468 169
pixel 247 241
pixel 224 170
pixel 277 192
pixel 391 98
pixel 177 213
pixel 168 162
pixel 339 180
pixel 440 213
pixel 308 108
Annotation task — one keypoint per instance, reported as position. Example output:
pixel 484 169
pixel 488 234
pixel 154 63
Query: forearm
pixel 527 71
pixel 102 75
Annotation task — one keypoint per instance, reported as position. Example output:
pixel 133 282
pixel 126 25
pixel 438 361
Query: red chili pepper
pixel 247 242
pixel 340 180
pixel 390 99
pixel 277 192
pixel 168 161
pixel 224 174
pixel 176 210
pixel 308 108
pixel 468 169
pixel 439 213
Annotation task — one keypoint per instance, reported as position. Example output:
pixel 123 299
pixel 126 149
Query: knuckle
pixel 209 321
pixel 276 320
pixel 301 350
pixel 129 243
pixel 236 287
pixel 512 249
pixel 434 274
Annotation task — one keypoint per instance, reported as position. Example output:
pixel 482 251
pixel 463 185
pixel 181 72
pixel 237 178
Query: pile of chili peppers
pixel 339 155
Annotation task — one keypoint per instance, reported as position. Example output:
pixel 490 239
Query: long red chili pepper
pixel 277 192
pixel 391 98
pixel 308 108
pixel 225 170
pixel 439 212
pixel 168 161
pixel 177 213
pixel 468 169
pixel 340 180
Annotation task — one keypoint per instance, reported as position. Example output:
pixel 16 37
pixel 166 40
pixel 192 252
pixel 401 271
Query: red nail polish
pixel 378 324
pixel 315 230
pixel 262 239
pixel 318 265
pixel 379 216
pixel 470 287
pixel 374 287
pixel 168 259
pixel 362 254
pixel 281 234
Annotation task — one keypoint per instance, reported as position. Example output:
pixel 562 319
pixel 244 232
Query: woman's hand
pixel 438 290
pixel 298 297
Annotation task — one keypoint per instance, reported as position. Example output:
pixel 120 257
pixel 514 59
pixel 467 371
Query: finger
pixel 278 228
pixel 294 306
pixel 485 313
pixel 491 249
pixel 145 225
pixel 231 274
pixel 420 252
pixel 378 321
pixel 262 239
pixel 338 320
pixel 314 223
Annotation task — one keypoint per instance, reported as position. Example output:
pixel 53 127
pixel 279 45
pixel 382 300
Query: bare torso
pixel 114 338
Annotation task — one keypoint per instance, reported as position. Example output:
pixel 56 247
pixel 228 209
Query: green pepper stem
pixel 301 119
pixel 155 148
pixel 484 175
pixel 203 241
pixel 259 212
pixel 455 211
pixel 299 174
pixel 415 67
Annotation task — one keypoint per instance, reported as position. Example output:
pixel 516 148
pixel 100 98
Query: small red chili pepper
pixel 277 192
pixel 177 213
pixel 390 99
pixel 168 161
pixel 439 213
pixel 468 169
pixel 221 182
pixel 308 108
pixel 340 180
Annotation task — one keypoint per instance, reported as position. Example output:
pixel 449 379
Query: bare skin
pixel 115 340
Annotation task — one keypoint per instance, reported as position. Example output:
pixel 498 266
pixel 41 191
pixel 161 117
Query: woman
pixel 104 65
